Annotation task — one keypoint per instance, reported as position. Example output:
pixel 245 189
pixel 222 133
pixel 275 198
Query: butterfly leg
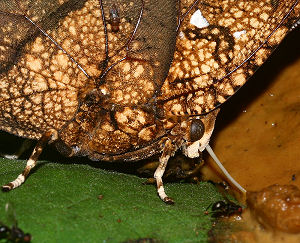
pixel 49 136
pixel 168 151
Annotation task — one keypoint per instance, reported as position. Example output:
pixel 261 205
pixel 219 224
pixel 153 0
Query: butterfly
pixel 124 80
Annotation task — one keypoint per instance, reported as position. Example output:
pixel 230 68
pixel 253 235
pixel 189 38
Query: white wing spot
pixel 181 35
pixel 198 20
pixel 103 91
pixel 238 34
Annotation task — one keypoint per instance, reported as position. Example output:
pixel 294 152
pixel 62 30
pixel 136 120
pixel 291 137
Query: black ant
pixel 13 234
pixel 224 209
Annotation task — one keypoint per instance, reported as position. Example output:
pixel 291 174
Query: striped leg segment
pixel 31 162
pixel 163 161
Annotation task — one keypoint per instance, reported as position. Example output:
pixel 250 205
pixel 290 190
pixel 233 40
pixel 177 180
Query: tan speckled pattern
pixel 212 62
pixel 106 86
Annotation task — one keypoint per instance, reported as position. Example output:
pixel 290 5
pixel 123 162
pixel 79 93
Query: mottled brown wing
pixel 52 53
pixel 220 44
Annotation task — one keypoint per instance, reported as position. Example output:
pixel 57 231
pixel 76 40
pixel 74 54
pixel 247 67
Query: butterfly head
pixel 198 133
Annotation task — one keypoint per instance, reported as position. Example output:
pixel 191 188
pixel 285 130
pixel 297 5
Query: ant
pixel 13 234
pixel 224 209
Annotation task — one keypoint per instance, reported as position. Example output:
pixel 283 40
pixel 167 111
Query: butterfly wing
pixel 32 83
pixel 118 112
pixel 53 53
pixel 219 46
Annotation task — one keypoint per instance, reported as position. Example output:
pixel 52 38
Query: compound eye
pixel 196 130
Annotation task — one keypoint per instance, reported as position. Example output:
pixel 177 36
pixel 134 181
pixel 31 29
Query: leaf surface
pixel 59 203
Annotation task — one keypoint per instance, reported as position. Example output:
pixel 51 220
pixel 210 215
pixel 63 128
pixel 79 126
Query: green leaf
pixel 60 203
